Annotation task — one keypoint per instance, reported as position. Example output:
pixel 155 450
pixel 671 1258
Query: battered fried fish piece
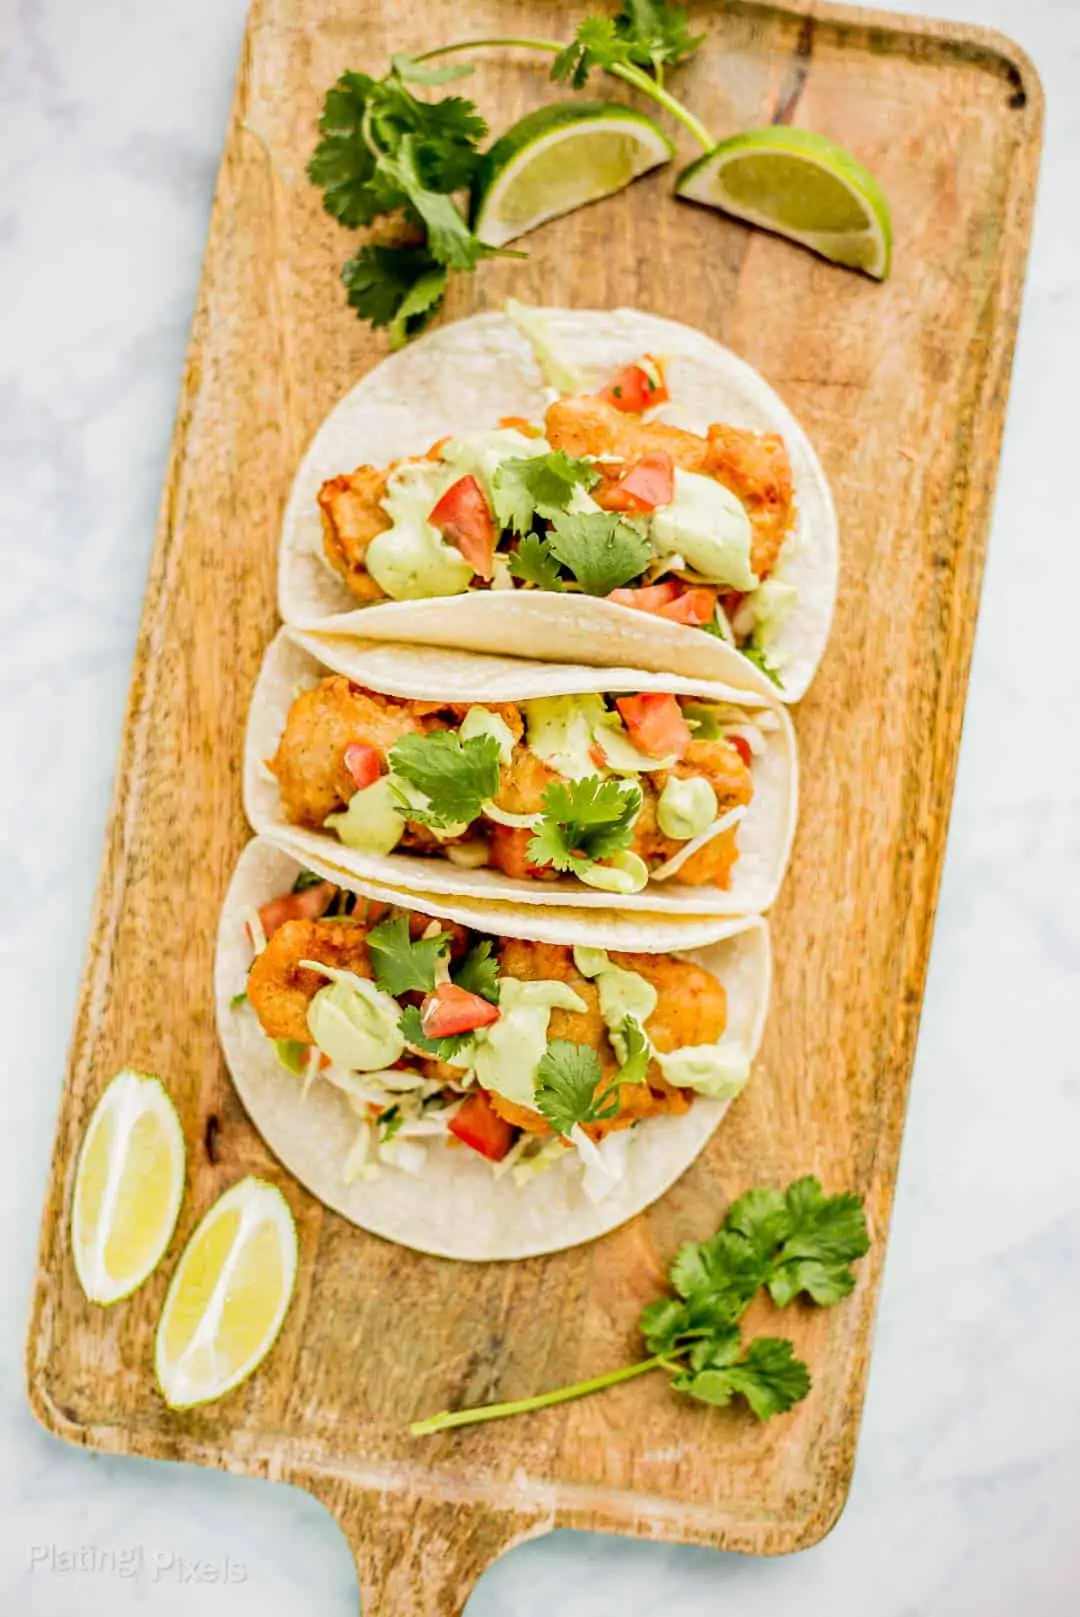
pixel 753 465
pixel 720 764
pixel 687 1016
pixel 351 518
pixel 692 1004
pixel 322 722
pixel 280 990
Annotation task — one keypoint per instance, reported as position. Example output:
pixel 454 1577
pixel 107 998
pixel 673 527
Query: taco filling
pixel 514 1050
pixel 616 790
pixel 600 498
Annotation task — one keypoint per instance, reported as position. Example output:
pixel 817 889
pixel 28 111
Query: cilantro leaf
pixel 768 1376
pixel 638 1053
pixel 724 1268
pixel 755 655
pixel 456 776
pixel 389 1121
pixel 479 972
pixel 648 34
pixel 343 164
pixel 601 549
pixel 656 33
pixel 670 1326
pixel 584 820
pixel 568 1079
pixel 538 485
pixel 400 965
pixel 398 287
pixel 449 239
pixel 534 563
pixel 825 1235
pixel 413 1033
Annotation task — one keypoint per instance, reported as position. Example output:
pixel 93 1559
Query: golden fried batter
pixel 754 466
pixel 692 1004
pixel 280 989
pixel 351 518
pixel 322 722
pixel 720 764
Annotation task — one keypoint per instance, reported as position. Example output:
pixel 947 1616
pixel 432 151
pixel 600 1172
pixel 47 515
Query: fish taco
pixel 573 485
pixel 462 1087
pixel 527 784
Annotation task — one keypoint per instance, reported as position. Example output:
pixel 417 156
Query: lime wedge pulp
pixel 228 1296
pixel 800 185
pixel 559 158
pixel 129 1184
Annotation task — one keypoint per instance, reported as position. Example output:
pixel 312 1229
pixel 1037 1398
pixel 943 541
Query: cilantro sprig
pixel 569 1087
pixel 794 1242
pixel 582 821
pixel 455 776
pixel 600 548
pixel 386 155
pixel 479 972
pixel 643 33
pixel 539 485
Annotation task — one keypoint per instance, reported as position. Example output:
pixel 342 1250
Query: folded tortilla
pixel 296 661
pixel 465 377
pixel 457 1207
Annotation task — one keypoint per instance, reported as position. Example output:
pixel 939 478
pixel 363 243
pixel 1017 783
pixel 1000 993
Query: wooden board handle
pixel 418 1555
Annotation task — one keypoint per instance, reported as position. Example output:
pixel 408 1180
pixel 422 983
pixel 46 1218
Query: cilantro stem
pixel 634 76
pixel 544 1400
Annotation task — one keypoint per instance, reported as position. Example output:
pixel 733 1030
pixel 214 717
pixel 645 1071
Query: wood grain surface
pixel 902 388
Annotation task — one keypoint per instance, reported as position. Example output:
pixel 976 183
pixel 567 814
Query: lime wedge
pixel 800 185
pixel 230 1293
pixel 128 1187
pixel 558 158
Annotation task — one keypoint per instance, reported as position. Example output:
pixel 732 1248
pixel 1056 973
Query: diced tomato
pixel 634 389
pixel 477 1124
pixel 648 483
pixel 742 747
pixel 655 723
pixel 598 755
pixel 363 763
pixel 463 517
pixel 693 607
pixel 510 851
pixel 649 598
pixel 305 906
pixel 451 1010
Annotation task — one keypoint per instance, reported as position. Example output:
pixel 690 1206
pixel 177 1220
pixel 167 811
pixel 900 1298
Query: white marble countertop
pixel 965 1496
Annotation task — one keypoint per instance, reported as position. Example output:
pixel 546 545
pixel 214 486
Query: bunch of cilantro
pixel 793 1243
pixel 389 159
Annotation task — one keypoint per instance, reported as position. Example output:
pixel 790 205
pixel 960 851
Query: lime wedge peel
pixel 129 1183
pixel 559 158
pixel 228 1298
pixel 801 185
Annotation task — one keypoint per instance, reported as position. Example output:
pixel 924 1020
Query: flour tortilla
pixel 466 376
pixel 296 661
pixel 456 1208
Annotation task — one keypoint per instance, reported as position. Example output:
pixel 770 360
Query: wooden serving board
pixel 902 388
